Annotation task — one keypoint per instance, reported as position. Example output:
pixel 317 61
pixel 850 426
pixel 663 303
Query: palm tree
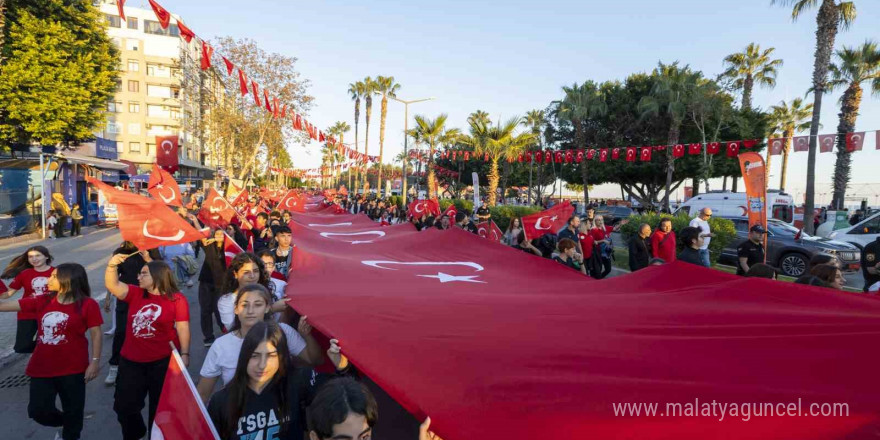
pixel 751 66
pixel 338 130
pixel 356 90
pixel 832 15
pixel 788 119
pixel 430 131
pixel 386 87
pixel 854 66
pixel 535 120
pixel 369 89
pixel 479 116
pixel 672 93
pixel 579 104
pixel 498 142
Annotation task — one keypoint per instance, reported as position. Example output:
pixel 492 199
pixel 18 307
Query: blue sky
pixel 508 57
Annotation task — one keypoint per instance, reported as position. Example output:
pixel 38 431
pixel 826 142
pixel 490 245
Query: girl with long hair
pixel 252 306
pixel 211 278
pixel 512 233
pixel 246 268
pixel 61 365
pixel 30 271
pixel 160 316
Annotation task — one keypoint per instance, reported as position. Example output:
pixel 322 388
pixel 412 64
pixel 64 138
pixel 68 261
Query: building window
pixel 150 147
pixel 132 22
pixel 114 107
pixel 114 128
pixel 153 27
pixel 113 20
pixel 119 147
pixel 158 91
pixel 158 70
pixel 134 86
pixel 132 44
pixel 134 107
pixel 175 92
pixel 118 85
pixel 134 128
pixel 134 147
pixel 175 113
pixel 133 66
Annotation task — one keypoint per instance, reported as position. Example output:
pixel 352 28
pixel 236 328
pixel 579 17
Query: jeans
pixel 704 255
pixel 72 390
pixel 135 382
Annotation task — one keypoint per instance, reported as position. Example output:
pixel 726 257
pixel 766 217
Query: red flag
pixel 568 156
pixel 826 142
pixel 615 153
pixel 580 156
pixel 162 186
pixel 276 107
pixel 451 212
pixel 418 208
pixel 185 32
pixel 490 230
pixel 695 149
pixel 283 111
pixel 678 150
pixel 241 199
pixel 590 154
pixel 207 51
pixel 750 143
pixel 548 221
pixel 181 413
pixel 251 244
pixel 646 154
pixel 147 222
pixel 166 153
pixel 713 147
pixel 297 123
pixel 216 211
pixel 775 146
pixel 630 154
pixel 603 155
pixel 230 248
pixel 266 99
pixel 120 5
pixel 854 141
pixel 732 149
pixel 291 202
pixel 242 82
pixel 256 91
pixel 229 66
pixel 161 14
pixel 801 143
pixel 321 137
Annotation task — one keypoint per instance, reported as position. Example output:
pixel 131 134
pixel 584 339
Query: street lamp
pixel 406 138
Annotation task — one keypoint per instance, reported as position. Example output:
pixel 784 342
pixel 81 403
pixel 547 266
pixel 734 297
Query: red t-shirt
pixel 587 243
pixel 599 234
pixel 150 324
pixel 34 284
pixel 662 247
pixel 62 348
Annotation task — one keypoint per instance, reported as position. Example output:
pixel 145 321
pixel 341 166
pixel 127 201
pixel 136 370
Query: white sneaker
pixel 110 331
pixel 189 283
pixel 111 375
pixel 58 435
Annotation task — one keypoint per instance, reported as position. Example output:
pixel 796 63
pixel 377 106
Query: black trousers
pixel 25 336
pixel 208 309
pixel 135 382
pixel 75 227
pixel 119 332
pixel 606 267
pixel 59 226
pixel 72 390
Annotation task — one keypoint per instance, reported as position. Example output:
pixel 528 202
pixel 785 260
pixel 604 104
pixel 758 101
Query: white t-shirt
pixel 226 307
pixel 222 357
pixel 277 293
pixel 704 225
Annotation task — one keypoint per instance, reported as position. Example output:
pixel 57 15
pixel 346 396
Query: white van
pixel 861 233
pixel 731 204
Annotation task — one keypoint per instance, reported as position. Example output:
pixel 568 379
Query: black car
pixel 790 250
pixel 612 215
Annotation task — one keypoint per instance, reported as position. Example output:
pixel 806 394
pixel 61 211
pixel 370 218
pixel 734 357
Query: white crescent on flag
pixel 167 200
pixel 379 234
pixel 174 237
pixel 538 223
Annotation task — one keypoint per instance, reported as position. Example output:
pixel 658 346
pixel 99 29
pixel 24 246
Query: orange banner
pixel 755 178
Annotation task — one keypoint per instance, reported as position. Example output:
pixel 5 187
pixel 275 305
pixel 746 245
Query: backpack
pixel 188 263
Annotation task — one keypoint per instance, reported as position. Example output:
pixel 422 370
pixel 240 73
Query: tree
pixel 369 89
pixel 672 94
pixel 832 14
pixel 581 103
pixel 535 121
pixel 854 66
pixel 386 87
pixel 59 70
pixel 788 119
pixel 709 111
pixel 357 91
pixel 430 131
pixel 479 116
pixel 338 130
pixel 751 66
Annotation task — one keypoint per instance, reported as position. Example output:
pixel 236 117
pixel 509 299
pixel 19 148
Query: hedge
pixel 724 230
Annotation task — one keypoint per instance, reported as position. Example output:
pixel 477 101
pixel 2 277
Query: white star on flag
pixel 446 278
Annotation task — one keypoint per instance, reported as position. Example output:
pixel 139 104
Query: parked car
pixel 612 215
pixel 861 233
pixel 790 250
pixel 725 203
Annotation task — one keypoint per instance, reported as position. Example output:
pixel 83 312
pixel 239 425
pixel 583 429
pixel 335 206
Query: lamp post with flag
pixel 406 138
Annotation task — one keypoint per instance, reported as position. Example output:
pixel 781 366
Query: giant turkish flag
pixel 548 221
pixel 495 343
pixel 166 153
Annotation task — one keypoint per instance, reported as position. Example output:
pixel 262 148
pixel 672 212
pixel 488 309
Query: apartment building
pixel 151 98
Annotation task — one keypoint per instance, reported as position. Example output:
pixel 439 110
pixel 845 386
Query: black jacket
pixel 214 267
pixel 690 255
pixel 639 253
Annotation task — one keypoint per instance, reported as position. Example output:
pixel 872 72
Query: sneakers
pixel 111 375
pixel 209 341
pixel 189 283
pixel 58 436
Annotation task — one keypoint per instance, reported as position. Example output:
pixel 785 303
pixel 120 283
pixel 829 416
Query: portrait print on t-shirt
pixel 39 285
pixel 142 321
pixel 54 324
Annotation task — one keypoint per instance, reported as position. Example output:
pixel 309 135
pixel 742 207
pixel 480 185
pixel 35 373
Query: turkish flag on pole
pixel 694 149
pixel 181 414
pixel 733 149
pixel 826 142
pixel 645 156
pixel 162 186
pixel 242 82
pixel 229 66
pixel 775 146
pixel 418 208
pixel 713 147
pixel 630 154
pixel 161 14
pixel 451 212
pixel 255 89
pixel 854 141
pixel 615 153
pixel 603 155
pixel 433 207
pixel 678 150
pixel 147 222
pixel 291 202
pixel 216 212
pixel 230 248
pixel 548 221
pixel 490 230
pixel 750 143
pixel 207 51
pixel 166 153
pixel 801 143
pixel 241 199
pixel 185 32
pixel 120 4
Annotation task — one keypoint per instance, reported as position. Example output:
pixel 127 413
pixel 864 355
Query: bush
pixel 724 230
pixel 501 214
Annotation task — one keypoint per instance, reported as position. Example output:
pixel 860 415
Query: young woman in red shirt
pixel 31 271
pixel 663 241
pixel 61 365
pixel 158 314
